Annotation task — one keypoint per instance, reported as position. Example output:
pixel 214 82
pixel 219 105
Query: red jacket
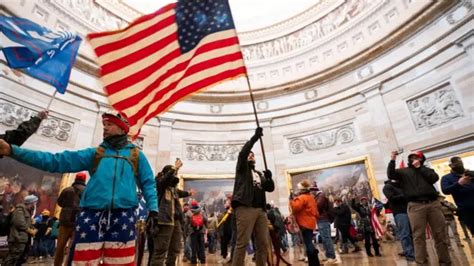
pixel 305 210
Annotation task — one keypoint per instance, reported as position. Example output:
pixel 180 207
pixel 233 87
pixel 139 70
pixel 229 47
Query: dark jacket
pixel 323 206
pixel 463 195
pixel 21 221
pixel 168 196
pixel 396 199
pixel 19 135
pixel 243 186
pixel 364 214
pixel 343 215
pixel 69 202
pixel 416 183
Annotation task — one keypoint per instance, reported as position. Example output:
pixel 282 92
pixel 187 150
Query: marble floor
pixel 460 256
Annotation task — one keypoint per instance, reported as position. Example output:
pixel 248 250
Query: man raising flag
pixel 165 56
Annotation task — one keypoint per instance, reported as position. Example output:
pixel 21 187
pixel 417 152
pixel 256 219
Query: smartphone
pixel 399 151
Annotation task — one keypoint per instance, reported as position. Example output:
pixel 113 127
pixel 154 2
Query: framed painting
pixel 343 179
pixel 18 180
pixel 211 191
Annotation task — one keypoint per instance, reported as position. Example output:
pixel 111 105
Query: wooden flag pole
pixel 51 100
pixel 258 123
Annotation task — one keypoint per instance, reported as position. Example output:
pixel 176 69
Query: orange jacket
pixel 305 210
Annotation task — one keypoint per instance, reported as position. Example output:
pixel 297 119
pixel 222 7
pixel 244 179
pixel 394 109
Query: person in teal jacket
pixel 105 226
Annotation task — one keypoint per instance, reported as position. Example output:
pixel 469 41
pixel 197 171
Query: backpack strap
pixel 134 154
pixel 99 153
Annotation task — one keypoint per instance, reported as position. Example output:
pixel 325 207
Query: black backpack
pixel 5 223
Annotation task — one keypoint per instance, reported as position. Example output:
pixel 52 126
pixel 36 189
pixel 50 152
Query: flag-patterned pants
pixel 105 237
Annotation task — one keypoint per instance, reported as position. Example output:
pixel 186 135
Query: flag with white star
pixel 165 56
pixel 102 232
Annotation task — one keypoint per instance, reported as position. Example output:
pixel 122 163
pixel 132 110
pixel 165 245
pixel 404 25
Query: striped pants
pixel 105 237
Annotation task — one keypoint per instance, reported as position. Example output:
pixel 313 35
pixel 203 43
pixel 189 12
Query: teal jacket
pixel 111 186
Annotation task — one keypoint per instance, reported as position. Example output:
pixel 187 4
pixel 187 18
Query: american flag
pixel 377 207
pixel 107 235
pixel 162 57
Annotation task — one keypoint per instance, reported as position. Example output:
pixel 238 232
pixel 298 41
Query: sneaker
pixel 331 261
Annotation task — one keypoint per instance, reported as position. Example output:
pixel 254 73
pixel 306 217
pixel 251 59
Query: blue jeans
pixel 404 234
pixel 187 248
pixel 324 228
pixel 311 252
pixel 211 240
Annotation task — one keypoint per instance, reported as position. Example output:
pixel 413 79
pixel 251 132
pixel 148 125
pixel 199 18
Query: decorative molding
pixel 434 108
pixel 216 108
pixel 87 14
pixel 460 13
pixel 12 114
pixel 322 139
pixel 311 94
pixel 308 35
pixel 212 152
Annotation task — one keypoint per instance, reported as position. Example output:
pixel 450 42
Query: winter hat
pixel 80 179
pixel 45 213
pixel 118 120
pixel 303 185
pixel 30 199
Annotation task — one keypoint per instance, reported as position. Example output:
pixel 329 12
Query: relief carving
pixel 435 108
pixel 91 13
pixel 309 34
pixel 213 152
pixel 322 140
pixel 11 115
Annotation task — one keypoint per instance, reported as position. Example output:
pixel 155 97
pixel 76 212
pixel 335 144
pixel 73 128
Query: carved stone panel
pixel 323 139
pixel 212 152
pixel 11 115
pixel 435 108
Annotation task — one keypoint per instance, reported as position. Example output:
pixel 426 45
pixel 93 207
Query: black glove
pixel 267 174
pixel 259 132
pixel 152 222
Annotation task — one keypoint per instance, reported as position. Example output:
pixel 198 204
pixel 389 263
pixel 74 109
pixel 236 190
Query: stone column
pixel 164 143
pixel 382 126
pixel 270 156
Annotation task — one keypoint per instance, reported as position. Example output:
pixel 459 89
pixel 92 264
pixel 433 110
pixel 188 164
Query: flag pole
pixel 51 100
pixel 256 120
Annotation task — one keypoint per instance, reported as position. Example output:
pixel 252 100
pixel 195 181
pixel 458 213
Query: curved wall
pixel 418 95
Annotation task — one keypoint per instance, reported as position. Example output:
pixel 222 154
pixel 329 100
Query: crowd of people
pixel 98 220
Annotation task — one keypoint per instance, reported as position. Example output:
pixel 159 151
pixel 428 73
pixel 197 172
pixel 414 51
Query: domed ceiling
pixel 287 47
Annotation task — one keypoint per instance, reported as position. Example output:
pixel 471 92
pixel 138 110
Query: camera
pixel 399 151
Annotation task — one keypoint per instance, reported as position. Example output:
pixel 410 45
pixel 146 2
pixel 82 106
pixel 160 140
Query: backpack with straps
pixel 197 221
pixel 132 160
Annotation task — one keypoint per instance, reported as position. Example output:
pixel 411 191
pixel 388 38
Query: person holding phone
pixel 460 184
pixel 165 229
pixel 424 208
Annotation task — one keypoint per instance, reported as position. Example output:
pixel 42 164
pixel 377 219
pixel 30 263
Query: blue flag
pixel 42 53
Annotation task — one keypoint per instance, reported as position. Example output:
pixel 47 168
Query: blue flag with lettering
pixel 40 52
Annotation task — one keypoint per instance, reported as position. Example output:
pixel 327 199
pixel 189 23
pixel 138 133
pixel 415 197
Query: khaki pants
pixel 251 220
pixel 420 215
pixel 64 235
pixel 167 244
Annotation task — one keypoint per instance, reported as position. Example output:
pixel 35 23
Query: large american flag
pixel 162 57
